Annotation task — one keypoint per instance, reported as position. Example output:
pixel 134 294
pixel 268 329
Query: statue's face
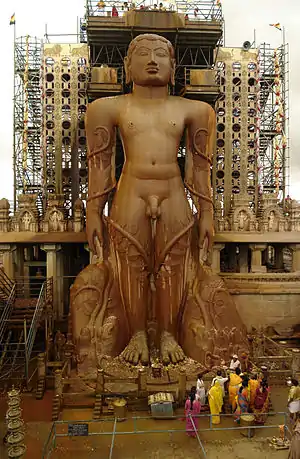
pixel 151 64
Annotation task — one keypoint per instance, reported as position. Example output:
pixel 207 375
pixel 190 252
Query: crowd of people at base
pixel 246 394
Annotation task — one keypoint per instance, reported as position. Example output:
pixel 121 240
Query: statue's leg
pixel 173 239
pixel 130 234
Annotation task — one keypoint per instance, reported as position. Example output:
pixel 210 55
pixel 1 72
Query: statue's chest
pixel 139 121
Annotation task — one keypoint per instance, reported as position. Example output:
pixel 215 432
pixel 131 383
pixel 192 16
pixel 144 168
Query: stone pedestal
pixel 296 257
pixel 216 257
pixel 7 251
pixel 256 258
pixel 55 270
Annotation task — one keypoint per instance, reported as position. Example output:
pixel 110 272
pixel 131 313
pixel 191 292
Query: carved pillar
pixel 296 257
pixel 52 271
pixel 216 256
pixel 41 366
pixel 8 259
pixel 279 257
pixel 60 284
pixel 19 261
pixel 256 258
pixel 243 258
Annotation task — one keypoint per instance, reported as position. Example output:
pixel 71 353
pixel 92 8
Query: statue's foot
pixel 170 350
pixel 137 349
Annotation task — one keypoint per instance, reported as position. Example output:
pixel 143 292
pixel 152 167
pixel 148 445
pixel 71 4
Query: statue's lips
pixel 152 69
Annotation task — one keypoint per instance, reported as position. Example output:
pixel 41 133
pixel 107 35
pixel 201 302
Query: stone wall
pixel 271 301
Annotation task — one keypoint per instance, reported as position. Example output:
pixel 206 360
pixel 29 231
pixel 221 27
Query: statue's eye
pixel 161 54
pixel 143 53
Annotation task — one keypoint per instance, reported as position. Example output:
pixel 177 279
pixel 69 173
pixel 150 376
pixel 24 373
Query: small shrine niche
pixel 54 219
pixel 271 218
pixel 294 215
pixel 5 220
pixel 26 217
pixel 241 216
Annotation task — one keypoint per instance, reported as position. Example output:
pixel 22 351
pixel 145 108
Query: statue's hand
pixel 94 229
pixel 206 232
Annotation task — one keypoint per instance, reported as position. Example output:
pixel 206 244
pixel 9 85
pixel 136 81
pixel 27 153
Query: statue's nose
pixel 152 58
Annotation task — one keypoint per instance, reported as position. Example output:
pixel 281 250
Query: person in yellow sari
pixel 215 400
pixel 235 382
pixel 253 384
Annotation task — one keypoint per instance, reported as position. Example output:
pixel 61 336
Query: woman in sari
pixel 192 410
pixel 215 400
pixel 294 452
pixel 242 401
pixel 261 403
pixel 201 390
pixel 294 399
pixel 234 385
pixel 254 385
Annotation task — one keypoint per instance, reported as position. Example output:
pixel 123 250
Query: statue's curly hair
pixel 150 37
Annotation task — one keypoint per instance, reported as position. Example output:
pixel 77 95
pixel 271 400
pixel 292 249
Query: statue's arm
pixel 100 131
pixel 200 147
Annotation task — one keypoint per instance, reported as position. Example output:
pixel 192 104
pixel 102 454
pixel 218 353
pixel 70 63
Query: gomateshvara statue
pixel 151 290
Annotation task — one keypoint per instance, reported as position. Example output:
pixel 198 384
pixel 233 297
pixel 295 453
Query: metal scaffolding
pixel 27 158
pixel 274 120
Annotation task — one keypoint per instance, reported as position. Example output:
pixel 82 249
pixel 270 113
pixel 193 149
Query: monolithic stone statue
pixel 151 271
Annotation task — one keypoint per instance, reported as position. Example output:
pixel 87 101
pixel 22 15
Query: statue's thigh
pixel 132 219
pixel 175 216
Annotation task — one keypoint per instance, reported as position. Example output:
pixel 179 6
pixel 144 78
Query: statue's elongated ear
pixel 127 70
pixel 173 67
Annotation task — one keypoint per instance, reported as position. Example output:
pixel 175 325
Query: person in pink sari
pixel 192 409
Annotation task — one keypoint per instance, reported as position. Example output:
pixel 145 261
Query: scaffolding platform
pixel 121 30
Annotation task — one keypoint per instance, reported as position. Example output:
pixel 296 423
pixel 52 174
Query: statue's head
pixel 150 61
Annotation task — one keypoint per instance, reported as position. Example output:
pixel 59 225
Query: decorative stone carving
pixel 5 220
pixel 271 218
pixel 54 219
pixel 241 216
pixel 78 220
pixel 26 217
pixel 294 215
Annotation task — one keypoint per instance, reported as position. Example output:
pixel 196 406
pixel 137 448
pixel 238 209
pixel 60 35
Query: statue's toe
pixel 145 357
pixel 135 357
pixel 165 357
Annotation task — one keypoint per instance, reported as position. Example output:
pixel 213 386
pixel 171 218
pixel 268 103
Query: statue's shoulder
pixel 199 108
pixel 106 109
pixel 110 103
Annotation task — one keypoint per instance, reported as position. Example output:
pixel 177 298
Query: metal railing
pixel 59 429
pixel 7 312
pixel 202 10
pixel 6 285
pixel 30 338
pixel 29 287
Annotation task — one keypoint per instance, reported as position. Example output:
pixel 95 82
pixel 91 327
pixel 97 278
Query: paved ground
pixel 225 445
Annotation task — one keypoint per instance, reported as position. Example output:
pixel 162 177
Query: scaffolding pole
pixel 27 118
pixel 274 119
